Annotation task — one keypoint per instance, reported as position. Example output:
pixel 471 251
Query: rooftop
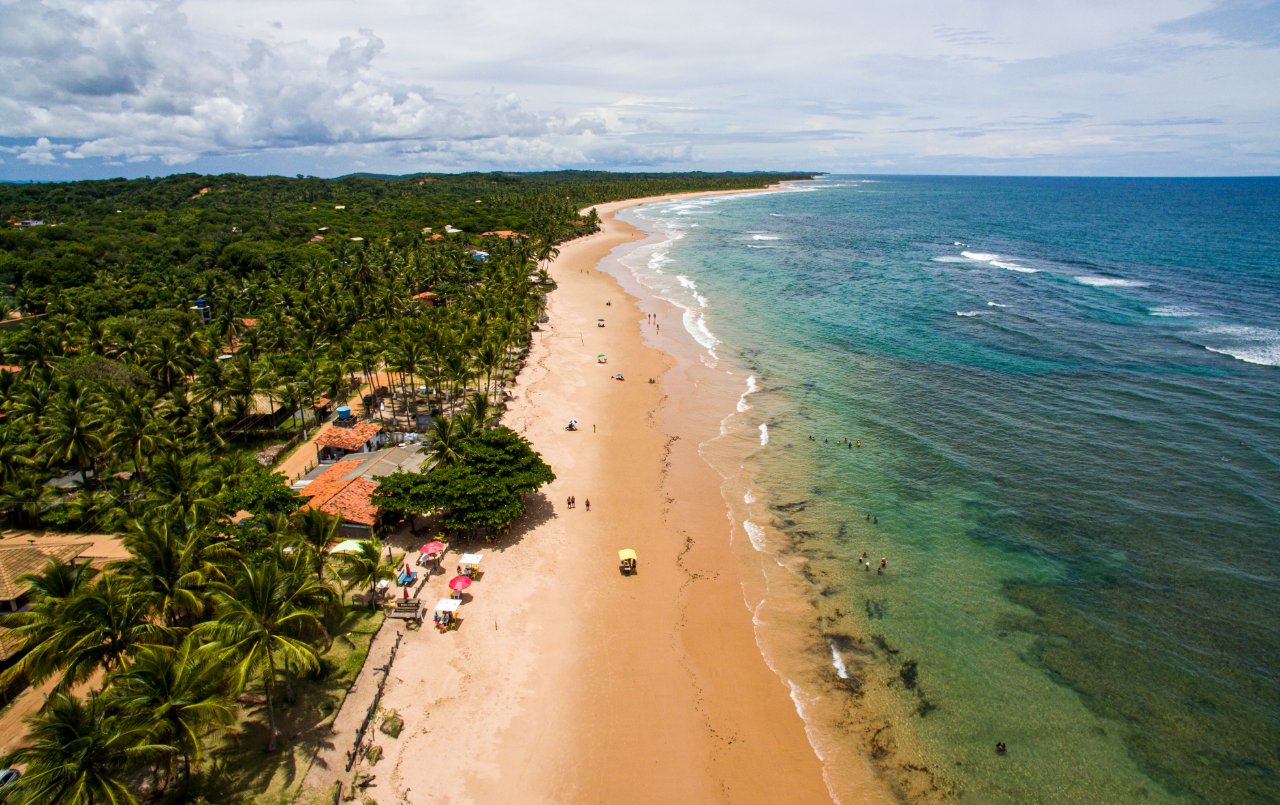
pixel 336 492
pixel 349 439
pixel 19 560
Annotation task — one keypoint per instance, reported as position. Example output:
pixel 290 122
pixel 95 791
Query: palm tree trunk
pixel 271 705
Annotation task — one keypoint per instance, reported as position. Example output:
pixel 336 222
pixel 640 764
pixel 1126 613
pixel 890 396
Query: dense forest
pixel 159 338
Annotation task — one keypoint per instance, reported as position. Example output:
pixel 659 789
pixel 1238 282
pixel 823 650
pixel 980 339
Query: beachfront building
pixel 343 492
pixel 339 441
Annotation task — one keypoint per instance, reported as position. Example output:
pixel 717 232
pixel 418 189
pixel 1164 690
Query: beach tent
pixel 347 546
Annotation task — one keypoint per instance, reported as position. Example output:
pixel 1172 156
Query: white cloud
pixel 404 85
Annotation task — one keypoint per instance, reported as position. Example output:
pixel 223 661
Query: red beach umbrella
pixel 433 547
pixel 459 583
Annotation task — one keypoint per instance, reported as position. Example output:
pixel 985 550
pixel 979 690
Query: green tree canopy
pixel 484 488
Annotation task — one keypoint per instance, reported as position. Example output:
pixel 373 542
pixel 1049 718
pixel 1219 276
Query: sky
pixel 105 88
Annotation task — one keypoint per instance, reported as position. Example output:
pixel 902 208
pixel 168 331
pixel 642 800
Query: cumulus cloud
pixel 934 85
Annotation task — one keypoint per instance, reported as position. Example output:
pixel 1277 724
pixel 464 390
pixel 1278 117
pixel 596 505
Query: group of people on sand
pixel 572 503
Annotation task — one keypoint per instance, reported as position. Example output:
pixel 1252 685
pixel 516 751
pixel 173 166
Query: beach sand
pixel 568 682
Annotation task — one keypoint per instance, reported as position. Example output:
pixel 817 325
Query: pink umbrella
pixel 433 547
pixel 459 583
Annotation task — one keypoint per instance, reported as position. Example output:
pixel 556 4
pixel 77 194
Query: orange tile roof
pixel 348 498
pixel 349 439
pixel 423 295
pixel 327 483
pixel 503 233
pixel 10 368
pixel 436 236
pixel 353 502
pixel 249 322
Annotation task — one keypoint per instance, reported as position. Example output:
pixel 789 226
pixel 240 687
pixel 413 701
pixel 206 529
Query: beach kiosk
pixel 446 615
pixel 469 566
pixel 627 561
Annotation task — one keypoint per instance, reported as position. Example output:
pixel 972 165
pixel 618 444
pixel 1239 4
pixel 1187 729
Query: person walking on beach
pixel 588 503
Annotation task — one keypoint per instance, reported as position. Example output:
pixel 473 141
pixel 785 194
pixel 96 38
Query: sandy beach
pixel 568 682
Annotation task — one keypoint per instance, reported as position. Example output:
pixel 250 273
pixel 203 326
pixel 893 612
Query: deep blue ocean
pixel 1054 406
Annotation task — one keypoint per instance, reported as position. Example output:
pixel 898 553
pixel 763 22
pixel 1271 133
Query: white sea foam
pixel 765 237
pixel 764 434
pixel 1263 356
pixel 1109 282
pixel 754 533
pixel 972 313
pixel 696 324
pixel 686 282
pixel 837 662
pixel 981 257
pixel 959 243
pixel 751 389
pixel 1173 311
pixel 757 246
pixel 995 304
pixel 1014 267
pixel 1259 345
pixel 948 258
pixel 776 214
pixel 749 497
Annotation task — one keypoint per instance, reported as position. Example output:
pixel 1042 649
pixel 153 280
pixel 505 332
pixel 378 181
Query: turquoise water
pixel 1067 393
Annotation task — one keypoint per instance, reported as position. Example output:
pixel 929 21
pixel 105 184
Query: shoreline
pixel 568 682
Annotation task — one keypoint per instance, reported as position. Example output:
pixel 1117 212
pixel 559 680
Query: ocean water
pixel 1053 405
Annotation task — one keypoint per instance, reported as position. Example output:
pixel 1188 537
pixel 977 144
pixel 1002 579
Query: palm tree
pixel 172 568
pixel 25 498
pixel 74 430
pixel 317 531
pixel 261 622
pixel 184 487
pixel 40 625
pixel 136 431
pixel 100 627
pixel 180 692
pixel 448 434
pixel 366 567
pixel 78 752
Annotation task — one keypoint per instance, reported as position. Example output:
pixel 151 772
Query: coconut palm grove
pixel 169 345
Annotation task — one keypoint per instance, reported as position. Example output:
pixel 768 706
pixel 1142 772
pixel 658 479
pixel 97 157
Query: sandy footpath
pixel 568 682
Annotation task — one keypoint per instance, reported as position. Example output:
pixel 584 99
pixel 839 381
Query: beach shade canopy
pixel 347 546
pixel 448 604
pixel 627 553
pixel 601 355
pixel 433 547
pixel 459 583
pixel 470 559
